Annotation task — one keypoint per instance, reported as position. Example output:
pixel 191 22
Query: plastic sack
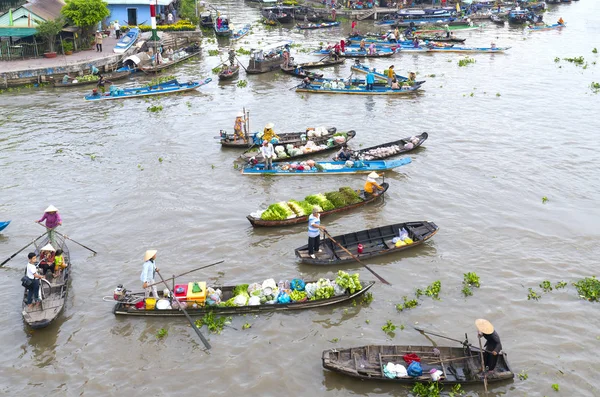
pixel 297 285
pixel 254 301
pixel 255 289
pixel 436 374
pixel 409 146
pixel 359 164
pixel 410 357
pixel 400 243
pixel 414 369
pixel 403 234
pixel 310 289
pixel 337 290
pixel 408 240
pixel 283 298
pixel 396 239
pixel 269 283
pixel 240 300
pixel 349 164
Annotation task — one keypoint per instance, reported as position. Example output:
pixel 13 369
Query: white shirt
pixel 267 151
pixel 31 270
pixel 117 26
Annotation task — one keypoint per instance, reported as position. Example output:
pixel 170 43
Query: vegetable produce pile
pixel 348 282
pixel 87 77
pixel 383 152
pixel 325 202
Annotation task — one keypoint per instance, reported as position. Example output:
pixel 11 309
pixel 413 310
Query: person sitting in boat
pixel 300 71
pixel 493 45
pixel 238 128
pixel 561 21
pixel 268 134
pixel 372 188
pixel 392 38
pixel 305 83
pixel 412 76
pixel 493 346
pixel 47 259
pixel 66 78
pixel 226 70
pixel 344 154
pixel 59 263
pixel 395 85
pixel 362 45
pixel 169 53
pixel 416 43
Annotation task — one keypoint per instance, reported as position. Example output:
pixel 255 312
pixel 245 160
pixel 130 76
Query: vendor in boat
pixel 395 85
pixel 286 59
pixel 305 83
pixel 268 153
pixel 314 234
pixel 412 76
pixel 33 290
pixel 372 50
pixel 53 220
pixel 392 38
pixel 66 78
pixel 561 21
pixel 344 154
pixel 238 128
pixel 391 75
pixel 47 254
pixel 416 43
pixel 102 82
pixel 231 56
pixel 362 45
pixel 268 133
pixel 493 346
pixel 169 53
pixel 372 188
pixel 149 269
pixel 370 79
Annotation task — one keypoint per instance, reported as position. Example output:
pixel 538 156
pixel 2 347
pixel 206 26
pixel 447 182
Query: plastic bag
pixel 283 298
pixel 310 289
pixel 297 285
pixel 414 369
pixel 403 234
pixel 269 283
pixel 337 290
pixel 240 300
pixel 254 301
pixel 255 289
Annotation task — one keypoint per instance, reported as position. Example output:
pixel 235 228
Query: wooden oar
pixel 421 330
pixel 16 253
pixel 202 338
pixel 69 238
pixel 482 366
pixel 188 272
pixel 240 63
pixel 356 259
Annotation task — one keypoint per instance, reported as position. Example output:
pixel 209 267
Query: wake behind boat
pixel 168 87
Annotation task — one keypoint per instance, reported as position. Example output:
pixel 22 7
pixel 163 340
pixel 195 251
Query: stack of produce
pixel 325 202
pixel 382 152
pixel 86 77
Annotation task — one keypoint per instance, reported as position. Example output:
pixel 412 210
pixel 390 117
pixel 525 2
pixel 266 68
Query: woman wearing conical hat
pixel 53 220
pixel 371 186
pixel 149 269
pixel 493 346
pixel 238 127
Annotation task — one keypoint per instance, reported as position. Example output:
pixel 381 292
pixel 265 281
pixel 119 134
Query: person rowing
pixel 372 188
pixel 493 346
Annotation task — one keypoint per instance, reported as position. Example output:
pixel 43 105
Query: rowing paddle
pixel 355 258
pixel 240 63
pixel 482 365
pixel 421 330
pixel 188 272
pixel 15 254
pixel 202 338
pixel 69 238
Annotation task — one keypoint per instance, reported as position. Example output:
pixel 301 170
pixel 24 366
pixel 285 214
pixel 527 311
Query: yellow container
pixel 197 297
pixel 150 303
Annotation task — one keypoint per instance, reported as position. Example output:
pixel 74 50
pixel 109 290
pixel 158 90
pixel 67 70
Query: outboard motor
pixel 119 292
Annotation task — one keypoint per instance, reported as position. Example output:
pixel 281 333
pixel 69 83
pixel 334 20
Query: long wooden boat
pixel 206 19
pixel 450 28
pixel 360 90
pixel 321 64
pixel 276 14
pixel 355 53
pixel 285 138
pixel 53 291
pixel 327 83
pixel 238 34
pixel 127 41
pixel 327 168
pixel 255 154
pixel 545 28
pixel 442 39
pixel 258 222
pixel 267 59
pixel 321 25
pixel 3 225
pixel 109 76
pixel 169 87
pixel 468 49
pixel 376 242
pixel 375 152
pixel 165 65
pixel 129 309
pixel 359 67
pixel 300 72
pixel 233 72
pixel 459 365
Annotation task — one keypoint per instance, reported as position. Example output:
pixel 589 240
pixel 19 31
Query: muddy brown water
pixel 503 133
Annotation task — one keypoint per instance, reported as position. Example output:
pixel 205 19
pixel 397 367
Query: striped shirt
pixel 313 231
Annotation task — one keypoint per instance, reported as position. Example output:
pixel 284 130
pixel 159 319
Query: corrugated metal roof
pixel 47 9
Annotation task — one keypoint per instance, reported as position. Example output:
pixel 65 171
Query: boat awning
pixel 15 31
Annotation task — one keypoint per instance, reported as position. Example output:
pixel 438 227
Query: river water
pixel 503 133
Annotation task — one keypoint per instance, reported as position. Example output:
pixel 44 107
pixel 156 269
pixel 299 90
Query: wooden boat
pixel 232 72
pixel 468 49
pixel 320 64
pixel 255 155
pixel 206 19
pixel 224 30
pixel 459 365
pixel 238 34
pixel 463 27
pixel 376 242
pixel 359 67
pixel 149 69
pixel 518 16
pixel 442 39
pixel 268 58
pixel 327 168
pixel 109 76
pixel 359 90
pixel 3 225
pixel 356 53
pixel 285 138
pixel 127 307
pixel 169 87
pixel 545 28
pixel 368 153
pixel 127 41
pixel 276 14
pixel 321 25
pixel 300 72
pixel 53 291
pixel 380 84
pixel 497 19
pixel 258 222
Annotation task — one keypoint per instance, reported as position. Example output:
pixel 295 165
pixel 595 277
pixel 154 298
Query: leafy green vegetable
pixel 240 289
pixel 350 195
pixel 336 198
pixel 349 283
pixel 320 200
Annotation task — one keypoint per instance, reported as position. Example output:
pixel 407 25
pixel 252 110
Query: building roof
pixel 46 9
pixel 139 2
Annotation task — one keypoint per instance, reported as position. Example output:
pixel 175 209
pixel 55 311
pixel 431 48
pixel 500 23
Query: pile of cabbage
pixel 269 293
pixel 383 152
pixel 324 202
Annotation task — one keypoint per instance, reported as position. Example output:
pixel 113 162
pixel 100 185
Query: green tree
pixel 187 10
pixel 85 13
pixel 48 30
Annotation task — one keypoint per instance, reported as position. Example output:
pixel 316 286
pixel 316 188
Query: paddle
pixel 16 253
pixel 240 63
pixel 355 258
pixel 482 365
pixel 188 272
pixel 421 330
pixel 202 338
pixel 69 238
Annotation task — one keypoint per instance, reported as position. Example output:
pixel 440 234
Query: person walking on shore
pixel 98 41
pixel 117 30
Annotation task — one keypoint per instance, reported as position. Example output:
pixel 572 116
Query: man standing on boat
pixel 231 56
pixel 268 153
pixel 149 269
pixel 370 80
pixel 53 220
pixel 314 234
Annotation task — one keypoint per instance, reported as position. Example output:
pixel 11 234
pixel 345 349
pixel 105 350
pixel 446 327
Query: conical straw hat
pixel 48 247
pixel 149 254
pixel 373 175
pixel 51 208
pixel 484 326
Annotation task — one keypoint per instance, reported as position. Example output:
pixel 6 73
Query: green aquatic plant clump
pixel 465 61
pixel 407 304
pixel 389 327
pixel 588 288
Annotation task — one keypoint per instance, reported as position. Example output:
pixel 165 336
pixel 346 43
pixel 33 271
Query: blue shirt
pixel 370 78
pixel 313 231
pixel 148 271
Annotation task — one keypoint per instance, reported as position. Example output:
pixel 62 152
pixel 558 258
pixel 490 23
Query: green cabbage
pixel 320 200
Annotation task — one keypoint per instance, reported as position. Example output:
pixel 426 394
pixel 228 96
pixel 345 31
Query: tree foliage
pixel 85 13
pixel 48 30
pixel 187 10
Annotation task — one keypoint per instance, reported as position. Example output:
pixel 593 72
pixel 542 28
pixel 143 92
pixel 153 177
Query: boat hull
pixel 3 225
pixel 160 89
pixel 369 166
